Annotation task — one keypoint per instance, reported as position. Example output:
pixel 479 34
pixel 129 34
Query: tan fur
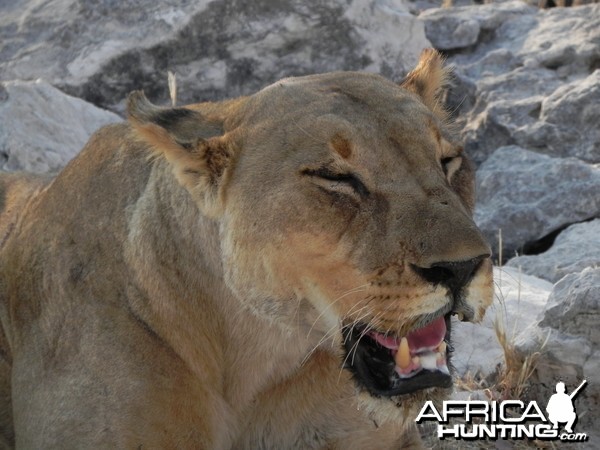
pixel 427 80
pixel 194 299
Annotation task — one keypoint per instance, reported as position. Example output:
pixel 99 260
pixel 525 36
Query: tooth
pixel 416 360
pixel 460 316
pixel 444 369
pixel 442 347
pixel 428 361
pixel 403 356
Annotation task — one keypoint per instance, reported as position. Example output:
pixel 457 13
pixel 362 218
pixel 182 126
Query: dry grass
pixel 172 82
pixel 513 378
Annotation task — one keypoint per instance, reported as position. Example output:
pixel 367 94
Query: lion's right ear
pixel 194 146
pixel 428 79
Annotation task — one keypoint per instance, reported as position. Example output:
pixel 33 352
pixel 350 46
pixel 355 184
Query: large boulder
pixel 42 128
pixel 529 195
pixel 102 50
pixel 567 340
pixel 523 76
pixel 574 249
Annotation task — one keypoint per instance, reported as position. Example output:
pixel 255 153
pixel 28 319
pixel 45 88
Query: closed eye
pixel 336 181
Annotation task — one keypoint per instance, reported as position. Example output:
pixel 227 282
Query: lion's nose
pixel 453 274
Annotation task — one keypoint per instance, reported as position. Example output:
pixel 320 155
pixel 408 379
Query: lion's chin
pixel 389 366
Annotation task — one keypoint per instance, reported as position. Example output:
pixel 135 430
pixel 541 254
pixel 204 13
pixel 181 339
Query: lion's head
pixel 344 207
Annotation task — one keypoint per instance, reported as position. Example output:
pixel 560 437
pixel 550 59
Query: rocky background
pixel 525 92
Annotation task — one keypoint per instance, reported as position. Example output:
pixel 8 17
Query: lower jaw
pixel 425 379
pixel 374 370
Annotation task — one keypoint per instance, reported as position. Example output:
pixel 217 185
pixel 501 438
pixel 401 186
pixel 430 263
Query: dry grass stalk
pixel 172 80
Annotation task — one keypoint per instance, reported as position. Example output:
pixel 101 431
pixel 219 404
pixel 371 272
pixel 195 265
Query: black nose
pixel 453 274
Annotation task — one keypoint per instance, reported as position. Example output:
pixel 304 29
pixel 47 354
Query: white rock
pixel 518 302
pixel 41 128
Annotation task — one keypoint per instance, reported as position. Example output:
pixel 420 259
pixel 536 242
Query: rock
pixel 67 41
pixel 528 195
pixel 517 83
pixel 574 249
pixel 574 306
pixel 518 300
pixel 448 32
pixel 102 50
pixel 41 128
pixel 579 101
pixel 455 28
pixel 567 340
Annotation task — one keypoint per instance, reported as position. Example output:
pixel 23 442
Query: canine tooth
pixel 460 316
pixel 442 347
pixel 403 356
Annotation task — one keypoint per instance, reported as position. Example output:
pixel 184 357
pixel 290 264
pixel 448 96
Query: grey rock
pixel 574 305
pixel 564 349
pixel 520 83
pixel 528 195
pixel 42 128
pixel 102 50
pixel 574 249
pixel 69 40
pixel 447 32
pixel 455 28
pixel 566 343
pixel 591 368
pixel 569 121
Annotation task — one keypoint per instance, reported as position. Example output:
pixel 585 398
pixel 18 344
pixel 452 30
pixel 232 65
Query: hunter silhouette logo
pixel 560 406
pixel 508 419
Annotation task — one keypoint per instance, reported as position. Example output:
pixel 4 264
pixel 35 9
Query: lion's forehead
pixel 345 94
pixel 375 115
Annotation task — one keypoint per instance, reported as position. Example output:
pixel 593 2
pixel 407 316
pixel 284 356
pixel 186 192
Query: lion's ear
pixel 194 146
pixel 427 80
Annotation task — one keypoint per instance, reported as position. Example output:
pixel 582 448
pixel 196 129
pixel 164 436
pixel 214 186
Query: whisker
pixel 345 294
pixel 326 336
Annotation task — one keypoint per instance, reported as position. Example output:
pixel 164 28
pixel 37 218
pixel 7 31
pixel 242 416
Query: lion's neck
pixel 174 252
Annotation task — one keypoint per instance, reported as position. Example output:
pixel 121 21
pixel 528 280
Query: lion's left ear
pixel 427 80
pixel 195 147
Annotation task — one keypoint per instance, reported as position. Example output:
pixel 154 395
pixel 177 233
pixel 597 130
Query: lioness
pixel 272 272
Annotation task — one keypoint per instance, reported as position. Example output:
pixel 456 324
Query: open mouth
pixel 390 365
